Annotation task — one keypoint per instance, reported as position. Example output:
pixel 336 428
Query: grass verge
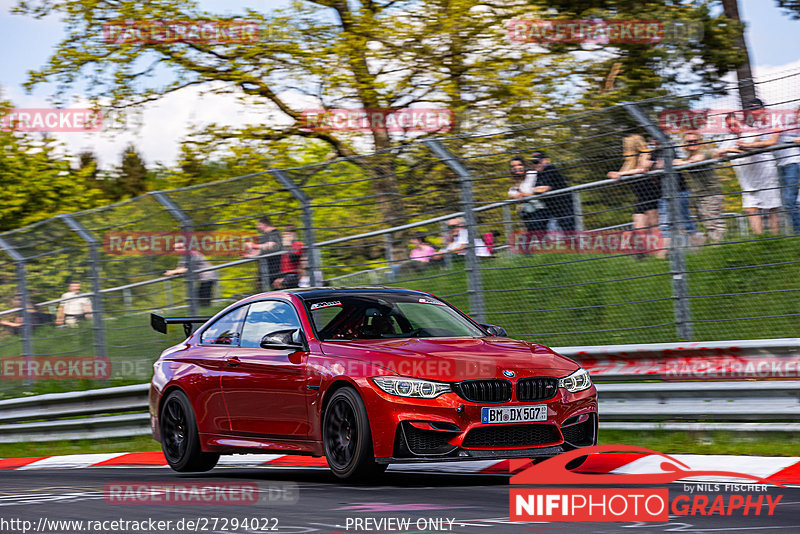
pixel 81 446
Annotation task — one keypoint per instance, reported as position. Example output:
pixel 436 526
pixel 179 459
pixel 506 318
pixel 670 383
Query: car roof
pixel 307 293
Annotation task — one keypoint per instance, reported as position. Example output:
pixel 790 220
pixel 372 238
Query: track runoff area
pixel 122 492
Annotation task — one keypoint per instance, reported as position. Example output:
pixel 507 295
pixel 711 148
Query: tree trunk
pixel 747 89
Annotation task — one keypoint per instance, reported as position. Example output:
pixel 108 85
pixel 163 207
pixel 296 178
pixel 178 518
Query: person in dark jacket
pixel 269 241
pixel 559 207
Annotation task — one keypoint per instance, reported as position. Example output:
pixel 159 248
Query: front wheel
pixel 180 440
pixel 347 438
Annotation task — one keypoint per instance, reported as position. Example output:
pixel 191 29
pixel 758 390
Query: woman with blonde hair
pixel 647 189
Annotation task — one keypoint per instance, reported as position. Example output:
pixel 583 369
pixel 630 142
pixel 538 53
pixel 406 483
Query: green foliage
pixel 439 53
pixel 130 178
pixel 637 71
pixel 792 7
pixel 38 182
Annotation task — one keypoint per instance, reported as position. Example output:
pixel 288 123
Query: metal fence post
pixel 388 240
pixel 677 258
pixel 508 223
pixel 474 283
pixel 187 227
pixel 314 262
pixel 444 231
pixel 22 288
pixel 100 347
pixel 127 299
pixel 577 207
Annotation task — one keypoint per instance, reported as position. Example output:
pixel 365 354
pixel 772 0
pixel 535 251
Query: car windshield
pixel 386 316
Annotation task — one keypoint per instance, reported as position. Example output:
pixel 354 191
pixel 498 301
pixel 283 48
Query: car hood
pixel 455 359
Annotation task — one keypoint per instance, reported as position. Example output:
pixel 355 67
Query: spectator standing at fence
pixel 458 241
pixel 648 189
pixel 762 166
pixel 73 308
pixel 15 325
pixel 683 197
pixel 206 279
pixel 787 161
pixel 706 185
pixel 754 196
pixel 269 241
pixel 291 259
pixel 549 178
pixel 533 212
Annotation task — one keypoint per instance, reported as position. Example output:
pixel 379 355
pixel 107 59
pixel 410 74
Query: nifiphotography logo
pixel 634 503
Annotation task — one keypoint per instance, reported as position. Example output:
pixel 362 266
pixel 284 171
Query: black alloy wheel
pixel 179 438
pixel 347 438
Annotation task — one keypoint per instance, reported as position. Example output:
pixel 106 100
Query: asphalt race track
pixel 310 500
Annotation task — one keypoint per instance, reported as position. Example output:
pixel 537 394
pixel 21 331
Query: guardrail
pixel 689 406
pixel 729 360
pixel 93 414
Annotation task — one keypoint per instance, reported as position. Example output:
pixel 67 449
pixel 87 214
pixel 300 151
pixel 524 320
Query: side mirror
pixel 281 340
pixel 495 330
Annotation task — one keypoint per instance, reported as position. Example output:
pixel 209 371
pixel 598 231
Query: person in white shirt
pixel 457 242
pixel 787 161
pixel 533 212
pixel 757 177
pixel 73 308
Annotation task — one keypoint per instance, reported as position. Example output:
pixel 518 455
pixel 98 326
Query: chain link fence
pixel 622 237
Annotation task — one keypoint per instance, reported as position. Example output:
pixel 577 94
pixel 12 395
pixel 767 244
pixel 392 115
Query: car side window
pixel 226 329
pixel 268 316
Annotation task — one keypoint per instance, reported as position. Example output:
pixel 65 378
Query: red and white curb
pixel 783 470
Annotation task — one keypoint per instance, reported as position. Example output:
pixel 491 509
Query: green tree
pixel 373 55
pixel 38 182
pixel 130 178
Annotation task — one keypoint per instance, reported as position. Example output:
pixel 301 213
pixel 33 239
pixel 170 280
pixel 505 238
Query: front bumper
pixel 449 428
pixel 465 454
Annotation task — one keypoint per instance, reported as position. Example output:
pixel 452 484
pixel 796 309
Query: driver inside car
pixel 376 324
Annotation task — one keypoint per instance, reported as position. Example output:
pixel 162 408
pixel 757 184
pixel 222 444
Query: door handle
pixel 233 361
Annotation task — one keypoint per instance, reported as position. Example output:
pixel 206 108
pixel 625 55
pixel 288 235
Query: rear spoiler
pixel 159 323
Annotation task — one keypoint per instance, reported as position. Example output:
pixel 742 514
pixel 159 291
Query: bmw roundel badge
pixel 509 374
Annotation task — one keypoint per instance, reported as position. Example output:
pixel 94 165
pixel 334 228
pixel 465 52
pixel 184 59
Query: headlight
pixel 577 381
pixel 411 387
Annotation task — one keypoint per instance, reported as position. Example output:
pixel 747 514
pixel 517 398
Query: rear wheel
pixel 179 438
pixel 347 438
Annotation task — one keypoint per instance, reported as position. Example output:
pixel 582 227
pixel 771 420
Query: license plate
pixel 514 414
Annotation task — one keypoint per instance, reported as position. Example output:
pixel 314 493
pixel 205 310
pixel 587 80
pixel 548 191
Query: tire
pixel 347 439
pixel 179 438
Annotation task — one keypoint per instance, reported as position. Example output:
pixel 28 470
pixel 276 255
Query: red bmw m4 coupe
pixel 365 377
